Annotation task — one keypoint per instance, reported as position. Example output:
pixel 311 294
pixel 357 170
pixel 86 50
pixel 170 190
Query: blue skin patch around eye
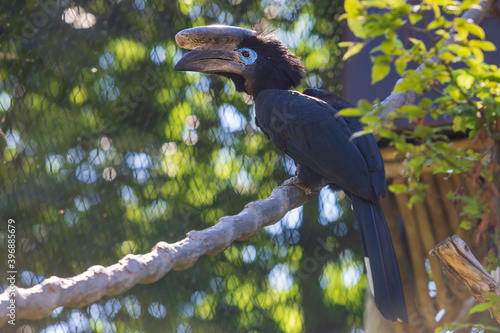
pixel 247 56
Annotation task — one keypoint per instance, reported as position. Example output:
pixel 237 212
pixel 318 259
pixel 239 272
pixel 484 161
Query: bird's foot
pixel 296 181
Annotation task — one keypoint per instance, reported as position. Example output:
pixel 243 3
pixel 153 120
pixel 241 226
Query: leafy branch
pixel 468 95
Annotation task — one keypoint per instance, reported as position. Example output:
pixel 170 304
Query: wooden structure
pixel 432 297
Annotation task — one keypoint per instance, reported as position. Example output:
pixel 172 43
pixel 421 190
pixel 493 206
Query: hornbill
pixel 305 127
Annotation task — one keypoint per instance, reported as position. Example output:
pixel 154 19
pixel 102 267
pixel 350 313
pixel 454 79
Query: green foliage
pixel 449 66
pixel 482 307
pixel 438 73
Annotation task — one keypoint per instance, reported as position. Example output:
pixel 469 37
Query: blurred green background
pixel 105 150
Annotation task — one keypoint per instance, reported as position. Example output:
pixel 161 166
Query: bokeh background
pixel 105 150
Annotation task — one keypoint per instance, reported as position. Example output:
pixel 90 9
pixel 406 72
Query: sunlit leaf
pixel 466 225
pixel 381 68
pixel 352 50
pixel 387 46
pixel 465 80
pixel 398 188
pixel 365 105
pixel 459 50
pixel 414 18
pixel 358 28
pixel 470 27
pixel 481 307
pixel 353 6
pixel 350 112
pixel 483 45
pixel 400 65
pixel 437 23
pixel 412 110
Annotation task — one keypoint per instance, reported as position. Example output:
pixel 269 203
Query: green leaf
pixel 418 45
pixel 346 44
pixel 381 67
pixel 441 76
pixel 398 188
pixel 422 131
pixel 481 307
pixel 466 225
pixel 396 3
pixel 443 99
pixel 478 54
pixel 459 124
pixel 376 49
pixel 365 105
pixel 350 112
pixel 425 102
pixel 471 27
pixel 465 80
pixel 404 85
pixel 493 297
pixel 414 18
pixel 387 46
pixel 419 197
pixel 436 9
pixel 459 50
pixel 400 65
pixel 357 27
pixel 352 50
pixel 436 23
pixel 467 4
pixel 443 33
pixel 375 3
pixel 483 45
pixel 370 118
pixel 352 6
pixel 412 110
pixel 404 147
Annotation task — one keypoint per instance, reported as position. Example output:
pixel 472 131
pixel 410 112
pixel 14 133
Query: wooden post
pixel 454 255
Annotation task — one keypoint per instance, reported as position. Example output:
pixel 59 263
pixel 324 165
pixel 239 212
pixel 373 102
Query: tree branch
pixel 98 281
pixel 454 255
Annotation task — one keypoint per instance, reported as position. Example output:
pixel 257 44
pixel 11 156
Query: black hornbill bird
pixel 305 127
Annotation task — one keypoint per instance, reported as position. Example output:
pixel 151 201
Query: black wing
pixel 366 143
pixel 305 128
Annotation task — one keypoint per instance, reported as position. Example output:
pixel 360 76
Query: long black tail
pixel 380 259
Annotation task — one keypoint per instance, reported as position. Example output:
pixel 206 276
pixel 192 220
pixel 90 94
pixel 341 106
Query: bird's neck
pixel 252 87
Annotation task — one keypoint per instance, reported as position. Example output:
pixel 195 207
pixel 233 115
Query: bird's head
pixel 254 61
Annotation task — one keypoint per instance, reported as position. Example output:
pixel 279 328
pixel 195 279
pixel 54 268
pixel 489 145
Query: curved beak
pixel 208 60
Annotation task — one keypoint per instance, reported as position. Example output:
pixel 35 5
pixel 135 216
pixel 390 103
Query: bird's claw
pixel 296 181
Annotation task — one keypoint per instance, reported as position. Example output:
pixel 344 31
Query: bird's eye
pixel 247 56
